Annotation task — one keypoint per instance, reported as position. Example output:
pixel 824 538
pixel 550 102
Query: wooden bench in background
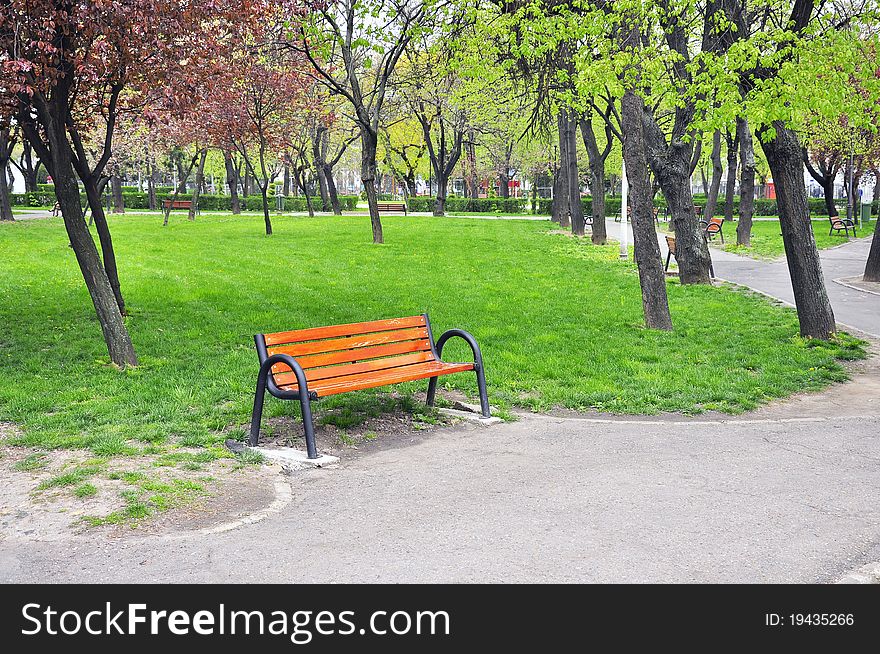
pixel 308 364
pixel 838 224
pixel 388 207
pixel 712 227
pixel 169 205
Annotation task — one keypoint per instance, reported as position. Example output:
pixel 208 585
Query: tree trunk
pixel 116 191
pixel 784 155
pixel 29 169
pixel 746 183
pixel 247 186
pixel 5 204
pixel 557 203
pixel 106 305
pixel 440 199
pixel 671 165
pixel 151 184
pixel 872 267
pixel 332 191
pixel 562 194
pixel 717 171
pixel 503 183
pixel 575 206
pixel 704 181
pixel 285 188
pixel 647 251
pixel 597 178
pixel 108 254
pixel 197 189
pixel 471 187
pixel 730 189
pixel 876 208
pixel 322 188
pixel 232 181
pixel 264 192
pixel 369 145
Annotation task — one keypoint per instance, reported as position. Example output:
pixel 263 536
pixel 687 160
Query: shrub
pixel 455 204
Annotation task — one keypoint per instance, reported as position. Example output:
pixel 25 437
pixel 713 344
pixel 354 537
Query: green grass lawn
pixel 767 237
pixel 559 320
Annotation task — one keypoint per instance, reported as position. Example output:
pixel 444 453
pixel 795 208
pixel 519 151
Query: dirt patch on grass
pixel 59 494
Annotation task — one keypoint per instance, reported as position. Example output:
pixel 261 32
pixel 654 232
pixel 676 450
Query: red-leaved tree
pixel 70 68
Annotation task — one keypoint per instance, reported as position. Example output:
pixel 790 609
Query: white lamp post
pixel 624 203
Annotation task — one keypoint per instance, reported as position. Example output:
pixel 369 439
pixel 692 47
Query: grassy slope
pixel 559 322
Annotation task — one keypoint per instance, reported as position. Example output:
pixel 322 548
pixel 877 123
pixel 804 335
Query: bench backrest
pixel 177 204
pixel 714 225
pixel 670 243
pixel 391 206
pixel 338 350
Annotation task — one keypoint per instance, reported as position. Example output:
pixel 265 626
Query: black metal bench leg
pixel 668 259
pixel 257 415
pixel 308 425
pixel 484 397
pixel 432 390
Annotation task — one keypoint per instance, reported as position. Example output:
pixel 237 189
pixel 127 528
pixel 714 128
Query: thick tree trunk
pixel 232 182
pixel 285 187
pixel 717 171
pixel 704 181
pixel 575 207
pixel 597 179
pixel 557 203
pixel 671 164
pixel 872 267
pixel 116 192
pixel 197 189
pixel 106 305
pixel 647 251
pixel 746 183
pixel 562 191
pixel 440 199
pixel 503 183
pixel 732 159
pixel 828 193
pixel 784 155
pixel 369 145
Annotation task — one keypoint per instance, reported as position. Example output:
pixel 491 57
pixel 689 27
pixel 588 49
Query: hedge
pixel 472 205
pixel 763 207
pixel 207 202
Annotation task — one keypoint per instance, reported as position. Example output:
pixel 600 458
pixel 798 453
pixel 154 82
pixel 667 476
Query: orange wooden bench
pixel 713 226
pixel 308 364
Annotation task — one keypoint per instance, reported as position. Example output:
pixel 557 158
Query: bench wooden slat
pixel 360 354
pixel 337 385
pixel 351 329
pixel 351 342
pixel 329 372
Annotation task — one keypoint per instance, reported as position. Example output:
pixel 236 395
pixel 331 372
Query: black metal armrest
pixel 293 364
pixel 468 338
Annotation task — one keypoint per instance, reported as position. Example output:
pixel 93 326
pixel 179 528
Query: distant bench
pixel 169 205
pixel 388 207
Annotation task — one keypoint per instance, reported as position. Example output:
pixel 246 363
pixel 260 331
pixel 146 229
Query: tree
pixel 8 138
pixel 70 68
pixel 354 47
pixel 429 92
pixel 257 107
pixel 746 182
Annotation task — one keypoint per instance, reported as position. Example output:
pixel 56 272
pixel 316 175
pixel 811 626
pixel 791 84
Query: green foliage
pixel 456 204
